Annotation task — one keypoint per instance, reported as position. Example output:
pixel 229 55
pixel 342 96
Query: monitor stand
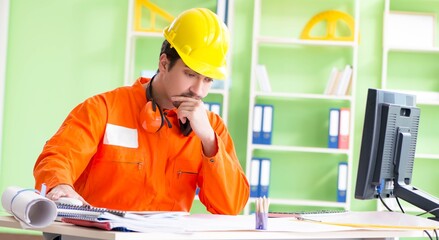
pixel 404 191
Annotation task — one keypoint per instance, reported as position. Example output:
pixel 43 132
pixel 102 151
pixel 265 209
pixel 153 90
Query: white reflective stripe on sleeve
pixel 120 136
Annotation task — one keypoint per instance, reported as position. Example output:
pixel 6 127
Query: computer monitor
pixel 387 151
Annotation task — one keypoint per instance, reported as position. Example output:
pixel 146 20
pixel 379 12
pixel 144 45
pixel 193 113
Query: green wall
pixel 61 52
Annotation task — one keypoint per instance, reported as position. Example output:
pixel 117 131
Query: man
pixel 148 146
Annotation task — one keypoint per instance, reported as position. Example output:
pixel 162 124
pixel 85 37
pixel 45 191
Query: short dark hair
pixel 170 52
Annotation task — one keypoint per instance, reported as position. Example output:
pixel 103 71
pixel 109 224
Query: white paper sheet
pixel 349 221
pixel 376 220
pixel 210 222
pixel 28 207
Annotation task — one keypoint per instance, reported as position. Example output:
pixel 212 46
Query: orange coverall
pixel 111 161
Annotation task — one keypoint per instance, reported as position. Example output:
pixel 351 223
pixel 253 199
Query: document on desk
pixel 159 214
pixel 373 220
pixel 156 221
pixel 119 220
pixel 108 221
pixel 349 221
pixel 209 222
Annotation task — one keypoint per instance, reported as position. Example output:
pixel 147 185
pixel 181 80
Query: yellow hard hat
pixel 201 40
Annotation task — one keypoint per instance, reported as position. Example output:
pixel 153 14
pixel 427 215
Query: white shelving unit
pixel 420 85
pixel 262 40
pixel 4 17
pixel 220 88
pixel 423 96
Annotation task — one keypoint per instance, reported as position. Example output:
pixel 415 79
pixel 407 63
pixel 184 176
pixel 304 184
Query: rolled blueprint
pixel 30 208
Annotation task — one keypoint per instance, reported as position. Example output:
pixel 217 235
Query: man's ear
pixel 163 62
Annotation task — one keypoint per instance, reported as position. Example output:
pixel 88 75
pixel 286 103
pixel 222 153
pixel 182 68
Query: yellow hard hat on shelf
pixel 202 40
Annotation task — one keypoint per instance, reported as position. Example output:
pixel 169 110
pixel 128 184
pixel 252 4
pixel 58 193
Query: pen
pixel 261 215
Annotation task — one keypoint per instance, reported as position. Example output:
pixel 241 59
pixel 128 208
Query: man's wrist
pixel 210 146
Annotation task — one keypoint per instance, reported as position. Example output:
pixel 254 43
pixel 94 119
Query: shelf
pixel 427 156
pixel 302 95
pixel 422 97
pixel 427 102
pixel 299 149
pixel 291 41
pixel 413 49
pixel 217 91
pixel 146 34
pixel 311 203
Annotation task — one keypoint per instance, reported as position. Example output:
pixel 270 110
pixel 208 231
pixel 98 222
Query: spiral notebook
pixel 67 210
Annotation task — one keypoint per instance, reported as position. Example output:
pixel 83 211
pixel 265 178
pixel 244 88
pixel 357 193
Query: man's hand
pixel 193 110
pixel 64 190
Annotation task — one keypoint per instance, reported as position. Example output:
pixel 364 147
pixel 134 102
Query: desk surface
pixel 76 231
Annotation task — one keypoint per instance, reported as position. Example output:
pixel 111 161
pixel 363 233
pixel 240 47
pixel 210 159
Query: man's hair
pixel 170 52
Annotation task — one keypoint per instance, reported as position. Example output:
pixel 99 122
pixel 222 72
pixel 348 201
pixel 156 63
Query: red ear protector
pixel 151 119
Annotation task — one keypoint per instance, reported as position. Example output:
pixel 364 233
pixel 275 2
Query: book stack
pixel 342 181
pixel 262 123
pixel 262 78
pixel 339 127
pixel 260 177
pixel 339 82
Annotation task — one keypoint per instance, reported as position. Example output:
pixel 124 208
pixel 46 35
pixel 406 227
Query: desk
pixel 74 232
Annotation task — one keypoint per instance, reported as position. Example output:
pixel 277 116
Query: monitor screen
pixel 388 147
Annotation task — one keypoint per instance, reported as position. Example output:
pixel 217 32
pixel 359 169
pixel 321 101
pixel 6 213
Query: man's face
pixel 180 80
